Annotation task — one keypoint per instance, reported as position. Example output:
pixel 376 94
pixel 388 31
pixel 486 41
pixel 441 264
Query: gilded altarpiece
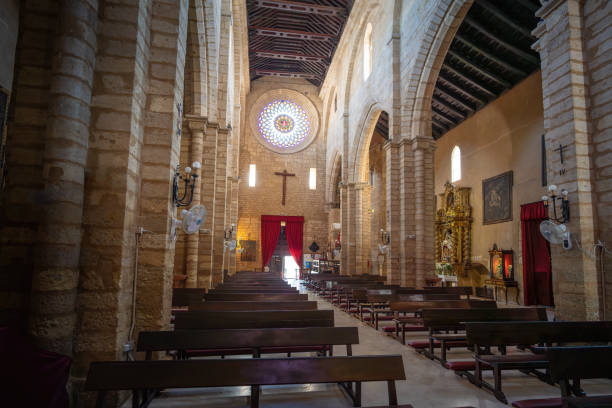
pixel 453 230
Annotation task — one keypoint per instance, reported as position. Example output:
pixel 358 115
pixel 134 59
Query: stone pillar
pixel 56 269
pixel 351 230
pixel 566 121
pixel 393 208
pixel 197 126
pixel 207 199
pixel 220 192
pixel 344 222
pixel 362 227
pixel 407 218
pixel 423 149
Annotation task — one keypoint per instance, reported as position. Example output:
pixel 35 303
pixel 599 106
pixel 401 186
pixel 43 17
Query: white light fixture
pixel 252 175
pixel 313 178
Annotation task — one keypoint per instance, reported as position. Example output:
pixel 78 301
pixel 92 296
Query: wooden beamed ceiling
pixel 490 53
pixel 294 39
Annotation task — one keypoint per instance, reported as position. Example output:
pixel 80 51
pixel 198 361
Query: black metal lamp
pixel 184 199
pixel 564 204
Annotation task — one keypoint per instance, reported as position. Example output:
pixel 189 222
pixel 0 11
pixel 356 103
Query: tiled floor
pixel 427 383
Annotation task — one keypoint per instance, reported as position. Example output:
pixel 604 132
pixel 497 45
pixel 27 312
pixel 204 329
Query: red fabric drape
pixel 294 231
pixel 537 275
pixel 270 231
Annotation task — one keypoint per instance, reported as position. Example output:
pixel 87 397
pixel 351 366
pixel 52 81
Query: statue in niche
pixel 447 247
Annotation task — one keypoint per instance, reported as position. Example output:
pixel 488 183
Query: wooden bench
pixel 198 343
pixel 182 297
pixel 140 376
pixel 253 319
pixel 439 320
pixel 257 297
pixel 414 323
pixel 283 291
pixel 504 334
pixel 220 306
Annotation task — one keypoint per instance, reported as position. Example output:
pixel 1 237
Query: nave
pixel 427 384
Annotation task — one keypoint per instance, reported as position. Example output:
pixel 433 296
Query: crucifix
pixel 560 150
pixel 285 175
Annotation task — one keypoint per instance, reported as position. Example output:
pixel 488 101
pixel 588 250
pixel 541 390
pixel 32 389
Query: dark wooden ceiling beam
pixel 481 70
pixel 300 7
pixel 501 15
pixel 440 128
pixel 449 107
pixel 454 99
pixel 460 89
pixel 292 34
pixel 490 56
pixel 286 74
pixel 469 80
pixel 528 5
pixel 515 50
pixel 288 56
pixel 444 117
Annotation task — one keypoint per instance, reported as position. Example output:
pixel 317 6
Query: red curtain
pixel 270 231
pixel 294 230
pixel 537 275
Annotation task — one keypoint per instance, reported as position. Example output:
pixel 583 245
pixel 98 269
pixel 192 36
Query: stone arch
pixel 419 86
pixel 365 130
pixel 212 15
pixel 334 166
pixel 195 62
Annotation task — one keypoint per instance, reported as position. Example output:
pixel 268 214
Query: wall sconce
pixel 564 202
pixel 385 237
pixel 228 232
pixel 190 179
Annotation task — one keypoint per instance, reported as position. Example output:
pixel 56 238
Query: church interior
pixel 306 203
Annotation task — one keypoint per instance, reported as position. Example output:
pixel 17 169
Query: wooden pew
pixel 140 376
pixel 252 320
pixel 416 307
pixel 182 297
pixel 504 334
pixel 260 297
pixel 439 320
pixel 219 306
pixel 254 290
pixel 247 341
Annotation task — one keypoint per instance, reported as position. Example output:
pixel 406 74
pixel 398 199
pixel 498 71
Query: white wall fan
pixel 230 244
pixel 384 249
pixel 190 222
pixel 556 234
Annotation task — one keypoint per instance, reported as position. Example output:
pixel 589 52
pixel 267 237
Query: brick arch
pixel 225 50
pixel 333 166
pixel 361 146
pixel 419 86
pixel 212 17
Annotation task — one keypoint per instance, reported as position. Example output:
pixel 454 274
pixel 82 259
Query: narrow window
pixel 252 175
pixel 312 182
pixel 456 164
pixel 367 52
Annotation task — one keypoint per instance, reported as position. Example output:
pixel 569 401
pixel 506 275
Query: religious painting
pixel 497 199
pixel 250 250
pixel 4 102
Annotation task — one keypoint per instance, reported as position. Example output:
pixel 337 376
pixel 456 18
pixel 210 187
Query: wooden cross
pixel 560 150
pixel 285 175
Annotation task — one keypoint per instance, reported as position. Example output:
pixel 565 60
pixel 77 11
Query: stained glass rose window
pixel 283 124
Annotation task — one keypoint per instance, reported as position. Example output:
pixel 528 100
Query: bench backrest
pixel 246 338
pixel 460 290
pixel 252 320
pixel 119 375
pixel 262 297
pixel 220 306
pixel 429 296
pixel 415 306
pixel 515 333
pixel 255 290
pixel 456 318
pixel 579 362
pixel 185 296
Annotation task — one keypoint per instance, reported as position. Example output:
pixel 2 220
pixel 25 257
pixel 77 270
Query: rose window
pixel 283 124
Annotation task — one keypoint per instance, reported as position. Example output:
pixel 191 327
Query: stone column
pixel 209 157
pixel 351 230
pixel 423 148
pixel 566 122
pixel 407 219
pixel 56 270
pixel 197 126
pixel 393 208
pixel 362 227
pixel 344 222
pixel 220 192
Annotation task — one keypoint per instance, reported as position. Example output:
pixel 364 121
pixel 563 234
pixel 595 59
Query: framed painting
pixel 497 199
pixel 250 250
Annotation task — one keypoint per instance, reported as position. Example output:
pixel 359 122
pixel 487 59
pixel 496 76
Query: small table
pixel 505 284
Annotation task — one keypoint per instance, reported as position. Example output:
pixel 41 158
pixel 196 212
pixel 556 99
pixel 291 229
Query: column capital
pixel 195 122
pixel 423 143
pixel 390 144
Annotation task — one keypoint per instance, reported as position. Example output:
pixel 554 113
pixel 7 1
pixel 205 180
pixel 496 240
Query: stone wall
pixel 265 198
pixel 503 136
